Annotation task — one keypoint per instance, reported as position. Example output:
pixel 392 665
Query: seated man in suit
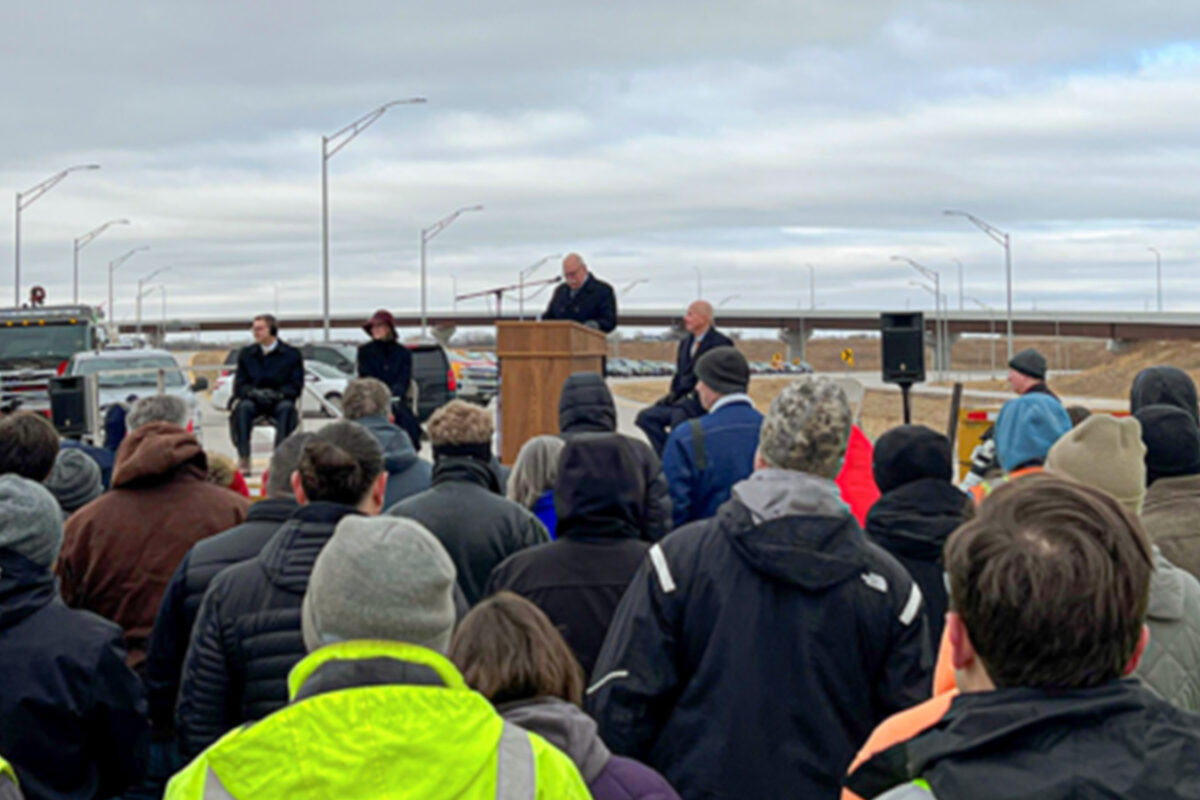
pixel 583 298
pixel 681 404
pixel 270 377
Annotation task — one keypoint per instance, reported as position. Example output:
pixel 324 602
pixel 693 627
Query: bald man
pixel 583 298
pixel 682 404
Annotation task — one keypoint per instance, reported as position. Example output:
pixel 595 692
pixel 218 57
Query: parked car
pixel 130 374
pixel 326 381
pixel 477 375
pixel 341 356
pixel 619 367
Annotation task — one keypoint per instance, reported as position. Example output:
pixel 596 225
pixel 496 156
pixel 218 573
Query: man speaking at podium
pixel 583 298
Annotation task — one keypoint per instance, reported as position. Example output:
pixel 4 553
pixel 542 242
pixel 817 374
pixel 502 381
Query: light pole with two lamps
pixel 939 323
pixel 140 294
pixel 113 266
pixel 427 235
pixel 84 241
pixel 1004 240
pixel 24 200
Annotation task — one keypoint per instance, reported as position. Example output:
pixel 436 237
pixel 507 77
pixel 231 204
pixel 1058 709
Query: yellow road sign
pixel 848 357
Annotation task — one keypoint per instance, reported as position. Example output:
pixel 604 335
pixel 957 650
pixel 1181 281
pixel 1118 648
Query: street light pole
pixel 961 299
pixel 525 273
pixel 112 267
pixel 727 299
pixel 84 241
pixel 1158 273
pixel 992 324
pixel 340 140
pixel 26 199
pixel 812 288
pixel 699 283
pixel 427 235
pixel 1005 241
pixel 941 329
pixel 141 294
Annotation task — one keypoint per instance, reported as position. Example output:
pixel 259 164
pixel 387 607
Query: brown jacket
pixel 120 550
pixel 1171 518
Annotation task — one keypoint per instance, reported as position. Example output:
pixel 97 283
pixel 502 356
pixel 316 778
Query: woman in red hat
pixel 385 359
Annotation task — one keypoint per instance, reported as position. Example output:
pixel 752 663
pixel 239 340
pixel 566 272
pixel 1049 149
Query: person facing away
pixel 586 405
pixel 72 714
pixel 246 637
pixel 533 477
pixel 1172 512
pixel 1107 453
pixel 75 480
pixel 682 403
pixel 376 709
pixel 583 298
pixel 511 653
pixel 1049 585
pixel 28 446
pixel 268 383
pixel 368 402
pixel 465 508
pixel 754 652
pixel 1167 386
pixel 1026 429
pixel 385 359
pixel 579 579
pixel 705 458
pixel 121 549
pixel 207 558
pixel 1027 374
pixel 918 510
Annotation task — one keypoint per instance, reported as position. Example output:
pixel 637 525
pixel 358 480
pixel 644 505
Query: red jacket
pixel 857 479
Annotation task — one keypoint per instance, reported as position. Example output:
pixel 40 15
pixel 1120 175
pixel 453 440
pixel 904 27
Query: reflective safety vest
pixel 980 491
pixel 9 789
pixel 917 790
pixel 381 741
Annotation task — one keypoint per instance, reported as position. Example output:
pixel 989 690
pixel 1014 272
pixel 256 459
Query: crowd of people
pixel 738 618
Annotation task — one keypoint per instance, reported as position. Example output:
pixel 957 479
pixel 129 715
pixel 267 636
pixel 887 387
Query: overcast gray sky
pixel 747 139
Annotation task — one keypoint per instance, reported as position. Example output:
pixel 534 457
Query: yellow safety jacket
pixel 9 788
pixel 381 741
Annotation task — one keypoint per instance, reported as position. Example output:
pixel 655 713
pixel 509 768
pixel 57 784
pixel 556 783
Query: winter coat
pixel 1169 386
pixel 103 457
pixel 9 790
pixel 390 362
pixel 1171 664
pixel 595 302
pixel 407 473
pixel 120 550
pixel 857 478
pixel 684 381
pixel 477 525
pixel 586 405
pixel 281 370
pixel 544 510
pixel 701 470
pixel 1041 388
pixel 181 601
pixel 247 633
pixel 1115 740
pixel 380 719
pixel 72 715
pixel 579 579
pixel 913 522
pixel 1171 517
pixel 754 652
pixel 568 728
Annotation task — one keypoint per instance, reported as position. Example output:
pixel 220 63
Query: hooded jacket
pixel 477 525
pixel 586 406
pixel 72 715
pixel 407 473
pixel 754 652
pixel 120 551
pixel 1171 517
pixel 1026 428
pixel 579 579
pixel 568 728
pixel 856 481
pixel 1171 663
pixel 9 790
pixel 1164 386
pixel 247 632
pixel 1116 740
pixel 380 719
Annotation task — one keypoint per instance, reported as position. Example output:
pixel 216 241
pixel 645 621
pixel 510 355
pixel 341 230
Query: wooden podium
pixel 535 359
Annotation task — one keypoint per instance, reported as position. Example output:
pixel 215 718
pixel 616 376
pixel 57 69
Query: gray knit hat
pixel 75 480
pixel 724 370
pixel 1030 363
pixel 30 520
pixel 807 428
pixel 380 578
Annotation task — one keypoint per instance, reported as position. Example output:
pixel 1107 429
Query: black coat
pixel 1116 740
pixel 390 362
pixel 181 601
pixel 477 525
pixel 912 522
pixel 685 380
pixel 1041 388
pixel 595 302
pixel 282 370
pixel 579 579
pixel 586 406
pixel 72 715
pixel 753 659
pixel 247 633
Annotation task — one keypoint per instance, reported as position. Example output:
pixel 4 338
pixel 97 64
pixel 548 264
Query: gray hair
pixel 284 461
pixel 536 469
pixel 366 397
pixel 157 408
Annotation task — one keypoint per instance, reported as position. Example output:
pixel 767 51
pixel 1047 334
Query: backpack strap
pixel 698 444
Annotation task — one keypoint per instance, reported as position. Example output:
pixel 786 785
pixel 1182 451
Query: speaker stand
pixel 904 392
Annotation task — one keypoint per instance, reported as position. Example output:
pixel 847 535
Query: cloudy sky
pixel 657 137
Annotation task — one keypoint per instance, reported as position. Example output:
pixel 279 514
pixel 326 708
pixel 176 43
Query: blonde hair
pixel 536 469
pixel 460 422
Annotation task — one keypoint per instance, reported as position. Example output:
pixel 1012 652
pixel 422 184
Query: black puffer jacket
pixel 586 406
pixel 579 579
pixel 181 602
pixel 912 522
pixel 247 634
